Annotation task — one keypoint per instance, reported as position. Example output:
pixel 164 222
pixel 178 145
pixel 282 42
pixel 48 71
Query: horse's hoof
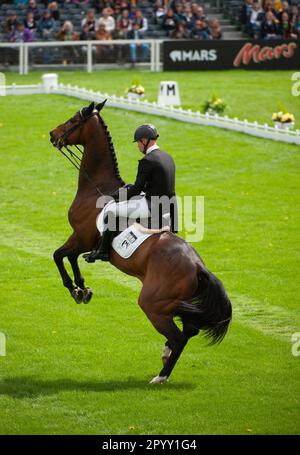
pixel 159 380
pixel 87 295
pixel 77 295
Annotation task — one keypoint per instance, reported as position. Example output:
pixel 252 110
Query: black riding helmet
pixel 146 131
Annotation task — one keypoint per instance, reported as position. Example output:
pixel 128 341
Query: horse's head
pixel 70 132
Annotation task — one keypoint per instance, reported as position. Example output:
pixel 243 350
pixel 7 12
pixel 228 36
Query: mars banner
pixel 220 55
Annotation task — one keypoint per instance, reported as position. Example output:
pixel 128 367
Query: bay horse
pixel 176 282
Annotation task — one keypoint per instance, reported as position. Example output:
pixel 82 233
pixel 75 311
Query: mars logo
pixel 203 55
pixel 260 54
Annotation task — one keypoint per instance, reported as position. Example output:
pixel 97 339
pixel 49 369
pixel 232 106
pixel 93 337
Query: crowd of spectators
pixel 269 19
pixel 107 19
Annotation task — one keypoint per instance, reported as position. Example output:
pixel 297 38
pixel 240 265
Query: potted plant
pixel 214 105
pixel 283 120
pixel 135 91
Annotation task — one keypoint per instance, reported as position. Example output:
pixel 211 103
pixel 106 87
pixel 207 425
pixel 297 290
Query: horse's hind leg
pixel 176 341
pixel 78 278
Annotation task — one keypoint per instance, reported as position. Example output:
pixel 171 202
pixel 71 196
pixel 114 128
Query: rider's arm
pixel 143 174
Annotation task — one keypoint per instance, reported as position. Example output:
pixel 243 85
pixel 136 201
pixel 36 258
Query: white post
pixel 21 70
pixel 153 55
pixel 157 55
pixel 89 57
pixel 26 58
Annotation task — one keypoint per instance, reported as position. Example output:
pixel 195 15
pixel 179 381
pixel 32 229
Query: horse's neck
pixel 98 168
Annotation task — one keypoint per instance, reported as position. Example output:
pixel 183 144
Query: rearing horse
pixel 175 281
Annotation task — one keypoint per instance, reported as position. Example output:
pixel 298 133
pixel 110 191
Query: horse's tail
pixel 210 310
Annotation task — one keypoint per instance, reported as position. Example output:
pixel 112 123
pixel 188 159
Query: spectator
pixel 180 32
pixel 102 34
pixel 66 33
pixel 86 33
pixel 89 22
pixel 20 34
pixel 53 8
pixel 11 22
pixel 46 26
pixel 188 16
pixel 215 29
pixel 30 22
pixel 245 14
pixel 124 24
pixel 269 27
pixel 286 28
pixel 159 11
pixel 200 30
pixel 142 21
pixel 178 11
pixel 107 20
pixel 33 8
pixel 255 20
pixel 169 22
pixel 135 34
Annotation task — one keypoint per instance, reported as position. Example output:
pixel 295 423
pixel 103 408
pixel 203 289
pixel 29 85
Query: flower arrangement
pixel 283 118
pixel 136 90
pixel 214 105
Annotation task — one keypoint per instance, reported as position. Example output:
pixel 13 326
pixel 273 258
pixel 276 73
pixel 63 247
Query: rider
pixel 155 177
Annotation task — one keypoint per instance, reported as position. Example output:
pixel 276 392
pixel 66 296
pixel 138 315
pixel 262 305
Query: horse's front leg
pixel 78 278
pixel 65 250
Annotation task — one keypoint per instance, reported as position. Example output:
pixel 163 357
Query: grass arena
pixel 84 369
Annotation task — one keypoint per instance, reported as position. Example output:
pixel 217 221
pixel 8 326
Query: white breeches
pixel 133 209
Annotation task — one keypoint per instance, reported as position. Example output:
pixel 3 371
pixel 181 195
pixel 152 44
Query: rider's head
pixel 145 136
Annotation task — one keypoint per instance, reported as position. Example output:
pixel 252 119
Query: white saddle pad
pixel 126 243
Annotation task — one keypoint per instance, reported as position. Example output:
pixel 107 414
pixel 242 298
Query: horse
pixel 176 285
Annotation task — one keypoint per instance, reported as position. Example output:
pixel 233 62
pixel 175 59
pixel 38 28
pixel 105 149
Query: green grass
pixel 253 95
pixel 85 369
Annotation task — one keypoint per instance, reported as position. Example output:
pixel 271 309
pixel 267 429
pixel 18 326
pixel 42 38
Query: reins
pixel 74 159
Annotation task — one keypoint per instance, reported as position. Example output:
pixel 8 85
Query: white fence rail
pixel 85 52
pixel 243 126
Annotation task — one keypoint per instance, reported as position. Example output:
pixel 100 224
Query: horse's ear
pixel 90 109
pixel 100 105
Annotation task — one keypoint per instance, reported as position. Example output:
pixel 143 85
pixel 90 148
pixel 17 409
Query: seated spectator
pixel 285 28
pixel 142 21
pixel 102 34
pixel 178 11
pixel 89 22
pixel 11 22
pixel 46 26
pixel 132 12
pixel 245 14
pixel 255 20
pixel 107 20
pixel 20 34
pixel 188 16
pixel 86 33
pixel 123 24
pixel 269 27
pixel 30 22
pixel 215 29
pixel 66 33
pixel 33 8
pixel 200 30
pixel 53 8
pixel 159 11
pixel 135 34
pixel 169 22
pixel 180 32
pixel 285 8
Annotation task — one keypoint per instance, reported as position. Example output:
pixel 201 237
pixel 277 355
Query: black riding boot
pixel 103 248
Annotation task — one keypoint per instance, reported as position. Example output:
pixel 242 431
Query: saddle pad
pixel 126 243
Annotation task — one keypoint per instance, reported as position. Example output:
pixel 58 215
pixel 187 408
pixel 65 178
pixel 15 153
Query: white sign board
pixel 2 84
pixel 169 94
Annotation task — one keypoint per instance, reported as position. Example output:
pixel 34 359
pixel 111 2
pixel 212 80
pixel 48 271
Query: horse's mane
pixel 112 150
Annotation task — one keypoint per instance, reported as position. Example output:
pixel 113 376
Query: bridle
pixel 60 144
